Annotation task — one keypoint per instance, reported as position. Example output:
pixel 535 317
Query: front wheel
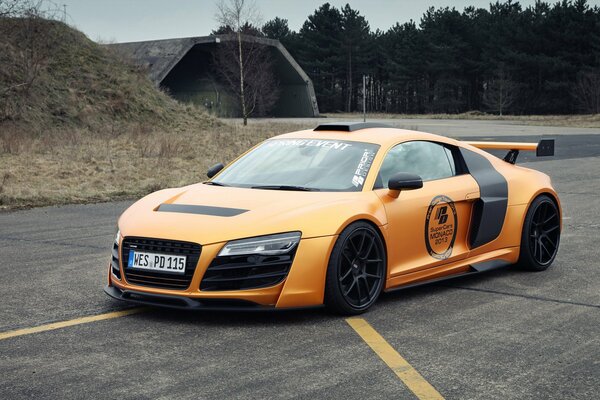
pixel 541 235
pixel 356 270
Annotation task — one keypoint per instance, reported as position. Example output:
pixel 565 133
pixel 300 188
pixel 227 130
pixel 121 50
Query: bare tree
pixel 9 8
pixel 237 16
pixel 587 91
pixel 500 92
pixel 260 89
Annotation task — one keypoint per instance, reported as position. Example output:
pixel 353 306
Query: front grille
pixel 114 260
pixel 160 279
pixel 246 272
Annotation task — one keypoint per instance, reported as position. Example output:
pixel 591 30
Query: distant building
pixel 183 67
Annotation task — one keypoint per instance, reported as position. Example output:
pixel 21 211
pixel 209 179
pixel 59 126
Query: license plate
pixel 156 262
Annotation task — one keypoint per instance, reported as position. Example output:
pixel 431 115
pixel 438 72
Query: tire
pixel 541 235
pixel 356 271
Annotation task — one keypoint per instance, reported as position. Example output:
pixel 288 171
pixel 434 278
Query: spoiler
pixel 544 148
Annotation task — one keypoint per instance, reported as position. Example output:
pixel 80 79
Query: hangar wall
pixel 185 69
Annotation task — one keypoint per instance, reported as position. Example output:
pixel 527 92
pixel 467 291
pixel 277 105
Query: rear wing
pixel 544 148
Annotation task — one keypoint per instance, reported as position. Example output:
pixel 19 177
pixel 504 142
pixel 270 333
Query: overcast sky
pixel 134 20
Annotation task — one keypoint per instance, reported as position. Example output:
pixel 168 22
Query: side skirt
pixel 475 268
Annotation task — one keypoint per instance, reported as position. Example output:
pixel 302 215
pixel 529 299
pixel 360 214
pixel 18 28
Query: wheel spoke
pixel 368 275
pixel 544 247
pixel 374 260
pixel 346 274
pixel 552 243
pixel 555 227
pixel 549 219
pixel 362 244
pixel 347 257
pixel 371 244
pixel 347 292
pixel 368 288
pixel 359 291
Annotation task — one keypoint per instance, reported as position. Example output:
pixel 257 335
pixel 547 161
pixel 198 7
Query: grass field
pixel 76 166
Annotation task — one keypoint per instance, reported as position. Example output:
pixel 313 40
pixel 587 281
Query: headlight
pixel 117 235
pixel 266 245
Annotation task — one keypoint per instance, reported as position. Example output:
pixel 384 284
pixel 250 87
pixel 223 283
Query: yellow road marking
pixel 71 322
pixel 411 378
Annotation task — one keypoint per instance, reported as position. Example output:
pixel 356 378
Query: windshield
pixel 302 164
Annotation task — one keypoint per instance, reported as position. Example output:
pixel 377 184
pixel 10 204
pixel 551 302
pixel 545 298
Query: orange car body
pixel 415 253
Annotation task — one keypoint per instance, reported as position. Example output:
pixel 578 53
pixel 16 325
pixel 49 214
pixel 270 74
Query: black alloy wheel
pixel 541 235
pixel 356 271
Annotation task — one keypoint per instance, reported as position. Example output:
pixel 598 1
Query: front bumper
pixel 181 302
pixel 303 287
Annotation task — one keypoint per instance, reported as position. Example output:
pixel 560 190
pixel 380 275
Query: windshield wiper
pixel 214 183
pixel 286 187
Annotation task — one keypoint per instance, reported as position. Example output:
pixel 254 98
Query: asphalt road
pixel 505 334
pixel 447 127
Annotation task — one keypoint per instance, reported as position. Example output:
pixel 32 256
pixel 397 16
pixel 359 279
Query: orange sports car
pixel 335 216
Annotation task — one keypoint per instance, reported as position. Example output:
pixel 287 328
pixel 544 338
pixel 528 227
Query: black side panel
pixel 489 265
pixel 204 210
pixel 490 210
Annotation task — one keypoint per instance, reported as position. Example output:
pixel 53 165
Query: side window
pixel 429 160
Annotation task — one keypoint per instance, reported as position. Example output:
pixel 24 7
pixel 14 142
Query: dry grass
pixel 92 127
pixel 129 161
pixel 576 121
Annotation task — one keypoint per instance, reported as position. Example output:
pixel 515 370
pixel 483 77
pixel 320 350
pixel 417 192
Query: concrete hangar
pixel 185 69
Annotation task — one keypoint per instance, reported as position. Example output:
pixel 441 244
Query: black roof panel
pixel 349 126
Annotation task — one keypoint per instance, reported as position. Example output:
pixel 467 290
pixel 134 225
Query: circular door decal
pixel 441 225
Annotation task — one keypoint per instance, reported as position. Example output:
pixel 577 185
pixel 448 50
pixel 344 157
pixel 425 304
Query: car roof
pixel 384 136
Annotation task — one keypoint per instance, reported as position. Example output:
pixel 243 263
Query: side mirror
pixel 403 181
pixel 215 169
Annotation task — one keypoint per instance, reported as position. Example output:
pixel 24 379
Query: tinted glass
pixel 327 165
pixel 427 159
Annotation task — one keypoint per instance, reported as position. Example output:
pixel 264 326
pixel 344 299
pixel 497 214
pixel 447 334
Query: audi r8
pixel 334 216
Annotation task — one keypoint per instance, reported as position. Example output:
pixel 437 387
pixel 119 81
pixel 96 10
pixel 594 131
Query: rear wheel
pixel 541 235
pixel 356 270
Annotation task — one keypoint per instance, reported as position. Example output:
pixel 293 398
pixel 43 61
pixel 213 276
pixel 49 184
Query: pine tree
pixel 356 42
pixel 319 53
pixel 452 61
pixel 277 28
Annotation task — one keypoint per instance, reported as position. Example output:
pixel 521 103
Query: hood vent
pixel 202 210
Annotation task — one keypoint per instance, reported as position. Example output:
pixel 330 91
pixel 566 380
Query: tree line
pixel 541 59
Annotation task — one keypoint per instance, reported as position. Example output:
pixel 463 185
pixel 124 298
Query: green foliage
pixel 246 29
pixel 319 52
pixel 532 58
pixel 277 28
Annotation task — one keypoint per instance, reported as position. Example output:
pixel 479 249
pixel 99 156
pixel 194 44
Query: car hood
pixel 227 213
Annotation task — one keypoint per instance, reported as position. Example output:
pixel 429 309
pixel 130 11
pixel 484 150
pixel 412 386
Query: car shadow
pixel 240 318
pixel 464 281
pixel 313 315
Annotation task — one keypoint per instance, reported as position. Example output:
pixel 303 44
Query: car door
pixel 427 227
